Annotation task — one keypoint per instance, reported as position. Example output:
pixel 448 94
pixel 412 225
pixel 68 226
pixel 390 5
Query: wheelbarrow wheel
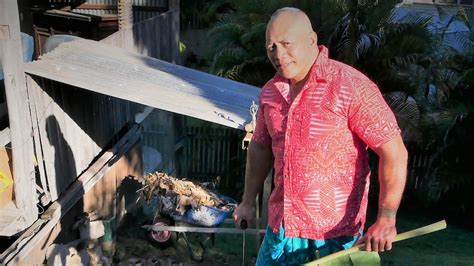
pixel 162 239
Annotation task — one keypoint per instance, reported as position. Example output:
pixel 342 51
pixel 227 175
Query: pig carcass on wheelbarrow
pixel 184 203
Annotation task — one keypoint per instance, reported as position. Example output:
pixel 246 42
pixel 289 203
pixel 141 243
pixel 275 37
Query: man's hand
pixel 380 235
pixel 245 211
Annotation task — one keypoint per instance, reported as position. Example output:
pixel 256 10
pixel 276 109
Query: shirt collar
pixel 317 74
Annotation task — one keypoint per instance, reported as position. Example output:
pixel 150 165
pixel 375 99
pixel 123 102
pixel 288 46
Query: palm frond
pixel 257 31
pixel 226 56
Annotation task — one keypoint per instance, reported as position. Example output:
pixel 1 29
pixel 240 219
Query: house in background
pixel 443 14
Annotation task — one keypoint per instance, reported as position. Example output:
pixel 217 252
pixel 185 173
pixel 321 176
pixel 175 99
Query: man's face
pixel 290 47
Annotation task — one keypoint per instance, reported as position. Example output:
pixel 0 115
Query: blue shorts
pixel 281 250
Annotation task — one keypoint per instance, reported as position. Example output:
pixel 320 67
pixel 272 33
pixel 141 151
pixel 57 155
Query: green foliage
pixel 198 14
pixel 451 178
pixel 238 42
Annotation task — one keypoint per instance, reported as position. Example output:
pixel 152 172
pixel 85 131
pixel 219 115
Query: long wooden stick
pixel 413 233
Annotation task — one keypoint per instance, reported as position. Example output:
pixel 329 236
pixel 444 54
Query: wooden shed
pixel 75 121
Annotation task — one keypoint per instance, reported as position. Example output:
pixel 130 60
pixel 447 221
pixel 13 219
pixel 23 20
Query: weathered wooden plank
pixel 42 109
pixel 114 189
pixel 11 220
pixel 65 159
pixel 20 121
pixel 44 105
pixel 33 91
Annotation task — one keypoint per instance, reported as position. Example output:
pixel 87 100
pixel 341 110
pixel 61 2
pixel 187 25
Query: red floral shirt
pixel 319 142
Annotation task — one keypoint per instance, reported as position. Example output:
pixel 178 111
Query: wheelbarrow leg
pixel 190 250
pixel 204 243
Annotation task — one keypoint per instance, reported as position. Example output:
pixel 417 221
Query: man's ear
pixel 313 39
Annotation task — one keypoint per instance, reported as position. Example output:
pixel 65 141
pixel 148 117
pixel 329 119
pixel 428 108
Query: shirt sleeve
pixel 370 117
pixel 261 135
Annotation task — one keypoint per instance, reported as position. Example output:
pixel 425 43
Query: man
pixel 316 118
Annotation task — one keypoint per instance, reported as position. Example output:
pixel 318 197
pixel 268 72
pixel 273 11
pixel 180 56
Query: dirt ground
pixel 132 247
pixel 132 250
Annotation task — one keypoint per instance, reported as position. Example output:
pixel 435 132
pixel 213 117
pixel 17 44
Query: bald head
pixel 293 16
pixel 291 43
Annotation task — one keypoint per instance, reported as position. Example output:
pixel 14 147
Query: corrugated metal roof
pixel 112 71
pixel 154 3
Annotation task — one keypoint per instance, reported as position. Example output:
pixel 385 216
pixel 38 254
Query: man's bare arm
pixel 393 159
pixel 259 163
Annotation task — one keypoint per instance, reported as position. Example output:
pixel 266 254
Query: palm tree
pixel 238 42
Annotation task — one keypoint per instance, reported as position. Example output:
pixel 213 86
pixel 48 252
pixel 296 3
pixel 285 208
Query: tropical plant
pixel 198 14
pixel 238 42
pixel 448 188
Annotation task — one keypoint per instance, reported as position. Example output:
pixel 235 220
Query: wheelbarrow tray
pixel 202 215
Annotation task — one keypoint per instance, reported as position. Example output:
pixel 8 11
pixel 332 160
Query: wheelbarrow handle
pixel 243 224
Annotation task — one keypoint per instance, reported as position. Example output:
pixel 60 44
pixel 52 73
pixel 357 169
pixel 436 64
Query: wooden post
pixel 18 112
pixel 125 12
pixel 175 56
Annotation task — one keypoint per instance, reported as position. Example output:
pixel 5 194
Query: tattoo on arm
pixel 386 212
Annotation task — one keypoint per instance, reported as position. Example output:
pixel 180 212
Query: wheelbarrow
pixel 169 220
pixel 184 206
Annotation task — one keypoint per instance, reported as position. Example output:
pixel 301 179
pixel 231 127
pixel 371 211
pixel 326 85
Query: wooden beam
pixel 140 116
pixel 11 220
pixel 33 90
pixel 20 121
pixel 42 227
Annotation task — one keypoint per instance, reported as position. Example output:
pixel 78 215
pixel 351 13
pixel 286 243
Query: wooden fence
pixel 214 151
pixel 156 37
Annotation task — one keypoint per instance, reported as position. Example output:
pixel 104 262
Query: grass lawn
pixel 451 246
